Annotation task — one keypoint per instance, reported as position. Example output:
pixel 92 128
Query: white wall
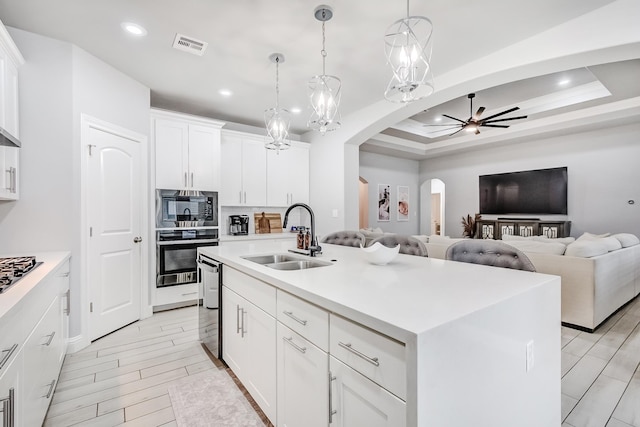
pixel 57 83
pixel 381 169
pixel 603 176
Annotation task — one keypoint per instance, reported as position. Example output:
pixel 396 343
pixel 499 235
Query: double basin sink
pixel 286 262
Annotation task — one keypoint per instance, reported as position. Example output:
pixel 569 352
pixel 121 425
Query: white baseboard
pixel 77 343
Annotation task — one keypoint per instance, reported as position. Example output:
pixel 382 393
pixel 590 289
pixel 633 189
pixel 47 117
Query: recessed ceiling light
pixel 564 82
pixel 296 110
pixel 134 29
pixel 225 92
pixel 438 119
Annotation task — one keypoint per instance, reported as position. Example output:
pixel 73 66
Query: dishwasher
pixel 209 313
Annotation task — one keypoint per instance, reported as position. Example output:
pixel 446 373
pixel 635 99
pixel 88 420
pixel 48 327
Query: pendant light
pixel 277 119
pixel 408 47
pixel 324 90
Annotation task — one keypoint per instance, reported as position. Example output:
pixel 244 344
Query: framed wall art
pixel 384 201
pixel 403 203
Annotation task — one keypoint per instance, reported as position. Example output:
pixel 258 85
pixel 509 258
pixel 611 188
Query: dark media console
pixel 526 227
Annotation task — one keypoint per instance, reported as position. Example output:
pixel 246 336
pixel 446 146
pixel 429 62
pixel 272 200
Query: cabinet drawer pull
pixel 189 293
pixel 294 345
pixel 8 408
pixel 51 335
pixel 372 360
pixel 7 355
pixel 238 327
pixel 51 387
pixel 297 319
pixel 67 311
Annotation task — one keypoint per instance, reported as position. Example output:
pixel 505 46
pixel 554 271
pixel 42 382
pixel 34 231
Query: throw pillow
pixel 627 239
pixel 590 236
pixel 586 248
pixel 532 246
pixel 563 240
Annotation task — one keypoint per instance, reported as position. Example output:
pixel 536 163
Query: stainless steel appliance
pixel 176 208
pixel 238 225
pixel 15 268
pixel 209 313
pixel 176 253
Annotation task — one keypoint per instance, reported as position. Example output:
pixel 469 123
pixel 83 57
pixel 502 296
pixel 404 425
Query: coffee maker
pixel 238 225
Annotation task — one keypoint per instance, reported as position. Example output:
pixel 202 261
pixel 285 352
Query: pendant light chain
pixel 277 84
pixel 323 52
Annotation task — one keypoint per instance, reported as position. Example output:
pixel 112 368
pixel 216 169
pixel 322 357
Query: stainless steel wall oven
pixel 176 253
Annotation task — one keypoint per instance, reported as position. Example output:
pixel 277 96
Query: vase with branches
pixel 469 225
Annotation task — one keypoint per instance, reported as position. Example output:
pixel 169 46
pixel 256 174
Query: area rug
pixel 211 400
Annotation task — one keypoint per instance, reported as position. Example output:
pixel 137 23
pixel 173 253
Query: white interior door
pixel 114 214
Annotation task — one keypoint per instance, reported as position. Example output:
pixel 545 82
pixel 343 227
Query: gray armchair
pixel 489 252
pixel 345 238
pixel 408 245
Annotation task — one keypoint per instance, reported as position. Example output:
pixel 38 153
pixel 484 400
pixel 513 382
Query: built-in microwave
pixel 181 208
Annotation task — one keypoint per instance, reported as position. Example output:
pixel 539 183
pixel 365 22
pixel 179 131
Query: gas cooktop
pixel 14 269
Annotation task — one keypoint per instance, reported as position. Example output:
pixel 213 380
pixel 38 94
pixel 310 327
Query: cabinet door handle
pixel 239 196
pixel 302 350
pixel 51 387
pixel 332 411
pixel 245 197
pixel 297 319
pixel 67 310
pixel 8 406
pixel 372 360
pixel 51 335
pixel 185 180
pixel 191 179
pixel 10 178
pixel 7 355
pixel 238 328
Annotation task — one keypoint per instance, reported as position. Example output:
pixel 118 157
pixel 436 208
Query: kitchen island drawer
pixel 308 320
pixel 376 356
pixel 256 291
pixel 12 335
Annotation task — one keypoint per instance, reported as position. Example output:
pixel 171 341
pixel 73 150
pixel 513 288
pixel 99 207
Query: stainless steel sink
pixel 271 259
pixel 286 262
pixel 297 265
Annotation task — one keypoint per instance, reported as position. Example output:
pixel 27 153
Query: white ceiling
pixel 242 34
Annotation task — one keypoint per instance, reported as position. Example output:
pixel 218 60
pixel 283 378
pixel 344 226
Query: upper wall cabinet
pixel 10 60
pixel 244 170
pixel 187 151
pixel 288 176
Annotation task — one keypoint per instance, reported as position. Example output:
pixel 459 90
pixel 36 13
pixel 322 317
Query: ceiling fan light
pixel 408 47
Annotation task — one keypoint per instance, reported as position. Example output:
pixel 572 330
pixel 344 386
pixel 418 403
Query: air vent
pixel 189 44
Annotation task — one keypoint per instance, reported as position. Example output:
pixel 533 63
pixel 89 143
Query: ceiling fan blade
pixel 453 118
pixel 459 130
pixel 500 114
pixel 442 124
pixel 504 120
pixel 494 126
pixel 443 130
pixel 479 112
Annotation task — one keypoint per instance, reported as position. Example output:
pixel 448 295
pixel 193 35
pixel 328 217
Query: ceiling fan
pixel 474 122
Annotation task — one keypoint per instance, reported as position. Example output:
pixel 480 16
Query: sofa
pixel 600 273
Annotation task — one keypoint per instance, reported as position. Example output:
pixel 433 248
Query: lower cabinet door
pixel 11 395
pixel 358 401
pixel 234 347
pixel 41 355
pixel 260 333
pixel 303 381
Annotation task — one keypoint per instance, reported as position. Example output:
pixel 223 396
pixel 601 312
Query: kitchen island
pixel 417 342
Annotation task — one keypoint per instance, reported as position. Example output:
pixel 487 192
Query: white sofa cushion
pixel 436 238
pixel 538 247
pixel 422 237
pixel 586 248
pixel 627 239
pixel 564 240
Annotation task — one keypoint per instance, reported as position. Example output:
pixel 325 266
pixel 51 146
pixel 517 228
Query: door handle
pixel 137 239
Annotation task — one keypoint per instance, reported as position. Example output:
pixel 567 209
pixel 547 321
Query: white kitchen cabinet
pixel 10 60
pixel 358 401
pixel 288 176
pixel 10 165
pixel 303 381
pixel 41 364
pixel 249 336
pixel 11 391
pixel 244 170
pixel 187 151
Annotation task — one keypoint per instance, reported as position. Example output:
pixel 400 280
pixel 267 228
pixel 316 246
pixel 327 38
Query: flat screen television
pixel 542 191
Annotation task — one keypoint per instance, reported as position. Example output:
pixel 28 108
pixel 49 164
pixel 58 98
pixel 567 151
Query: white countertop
pixel 254 236
pixel 403 299
pixel 50 261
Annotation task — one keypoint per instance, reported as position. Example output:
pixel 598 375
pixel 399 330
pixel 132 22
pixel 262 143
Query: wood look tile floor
pixel 122 379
